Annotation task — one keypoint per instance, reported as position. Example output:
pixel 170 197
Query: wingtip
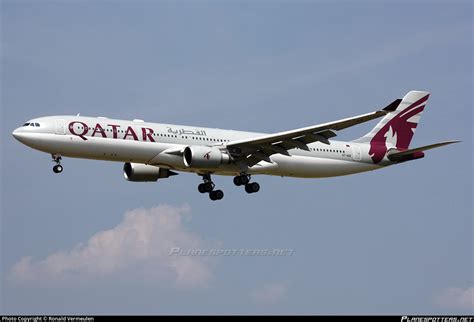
pixel 392 106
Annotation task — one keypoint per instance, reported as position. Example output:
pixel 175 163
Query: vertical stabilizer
pixel 397 128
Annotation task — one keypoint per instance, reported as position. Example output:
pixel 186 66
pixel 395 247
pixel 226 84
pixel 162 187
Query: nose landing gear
pixel 58 168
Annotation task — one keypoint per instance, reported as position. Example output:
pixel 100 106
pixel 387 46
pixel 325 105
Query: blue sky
pixel 394 241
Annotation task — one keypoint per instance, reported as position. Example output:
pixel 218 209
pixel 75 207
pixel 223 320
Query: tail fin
pixel 397 128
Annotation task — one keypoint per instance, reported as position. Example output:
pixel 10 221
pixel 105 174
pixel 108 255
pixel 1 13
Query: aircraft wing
pixel 253 150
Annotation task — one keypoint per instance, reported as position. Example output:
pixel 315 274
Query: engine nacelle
pixel 138 172
pixel 200 156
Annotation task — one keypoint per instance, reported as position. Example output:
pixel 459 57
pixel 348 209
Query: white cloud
pixel 137 250
pixel 269 294
pixel 456 298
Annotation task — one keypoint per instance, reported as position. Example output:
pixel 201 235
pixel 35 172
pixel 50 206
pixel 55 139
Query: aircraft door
pixel 60 127
pixel 356 154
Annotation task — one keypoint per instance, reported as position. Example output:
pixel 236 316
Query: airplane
pixel 153 151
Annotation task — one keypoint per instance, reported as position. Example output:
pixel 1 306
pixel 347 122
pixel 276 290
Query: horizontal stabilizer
pixel 416 152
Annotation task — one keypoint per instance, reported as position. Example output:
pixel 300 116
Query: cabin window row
pixel 326 150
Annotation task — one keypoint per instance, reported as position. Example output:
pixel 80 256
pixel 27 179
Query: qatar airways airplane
pixel 153 151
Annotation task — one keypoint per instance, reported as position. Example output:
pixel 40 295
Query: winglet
pixel 392 106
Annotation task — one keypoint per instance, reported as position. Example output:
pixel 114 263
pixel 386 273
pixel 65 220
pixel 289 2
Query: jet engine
pixel 198 156
pixel 138 172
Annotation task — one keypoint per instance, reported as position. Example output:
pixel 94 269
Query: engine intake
pixel 204 157
pixel 138 172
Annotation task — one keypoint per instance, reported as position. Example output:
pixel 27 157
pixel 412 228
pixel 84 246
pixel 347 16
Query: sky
pixel 394 241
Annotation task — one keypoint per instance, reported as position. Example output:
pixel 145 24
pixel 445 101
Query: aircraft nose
pixel 18 134
pixel 24 136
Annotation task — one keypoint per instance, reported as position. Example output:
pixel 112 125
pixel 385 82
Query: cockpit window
pixel 32 124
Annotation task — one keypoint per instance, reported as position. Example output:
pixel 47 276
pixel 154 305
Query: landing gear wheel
pixel 201 188
pixel 255 187
pixel 241 180
pixel 212 195
pixel 208 186
pixel 248 188
pixel 58 168
pixel 216 195
pixel 252 187
pixel 244 179
pixel 219 194
pixel 237 181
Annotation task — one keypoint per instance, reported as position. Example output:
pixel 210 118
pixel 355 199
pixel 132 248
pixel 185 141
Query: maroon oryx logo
pixel 399 130
pixel 207 156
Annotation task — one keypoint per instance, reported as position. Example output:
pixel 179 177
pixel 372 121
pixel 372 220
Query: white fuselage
pixel 153 143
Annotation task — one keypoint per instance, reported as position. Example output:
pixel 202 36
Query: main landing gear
pixel 244 180
pixel 58 168
pixel 241 180
pixel 208 187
